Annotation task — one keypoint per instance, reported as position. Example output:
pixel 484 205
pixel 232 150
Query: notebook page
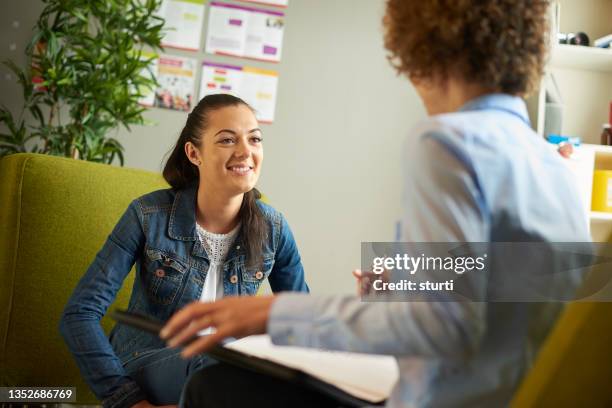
pixel 366 376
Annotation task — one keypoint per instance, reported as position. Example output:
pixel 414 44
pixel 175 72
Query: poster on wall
pixel 176 77
pixel 256 86
pixel 148 94
pixel 278 3
pixel 245 32
pixel 183 26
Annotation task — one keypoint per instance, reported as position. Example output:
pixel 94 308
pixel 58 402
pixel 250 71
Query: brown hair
pixel 180 173
pixel 499 44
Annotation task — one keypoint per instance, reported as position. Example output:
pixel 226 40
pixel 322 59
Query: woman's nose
pixel 242 149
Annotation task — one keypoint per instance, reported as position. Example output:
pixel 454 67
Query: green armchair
pixel 55 214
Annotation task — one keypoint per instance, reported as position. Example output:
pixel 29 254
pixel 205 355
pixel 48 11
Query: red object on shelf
pixel 606 135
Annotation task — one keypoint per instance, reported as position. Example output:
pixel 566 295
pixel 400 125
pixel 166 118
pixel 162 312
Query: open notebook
pixel 365 376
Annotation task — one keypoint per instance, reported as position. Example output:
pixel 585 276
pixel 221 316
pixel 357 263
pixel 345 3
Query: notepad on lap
pixel 365 376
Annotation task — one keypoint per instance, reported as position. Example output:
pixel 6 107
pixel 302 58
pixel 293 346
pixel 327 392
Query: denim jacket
pixel 157 233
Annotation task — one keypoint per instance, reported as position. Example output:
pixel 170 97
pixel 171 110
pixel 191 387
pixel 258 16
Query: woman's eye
pixel 256 139
pixel 226 141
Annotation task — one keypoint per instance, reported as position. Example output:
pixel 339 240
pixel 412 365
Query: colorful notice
pixel 256 86
pixel 245 32
pixel 183 26
pixel 147 97
pixel 176 78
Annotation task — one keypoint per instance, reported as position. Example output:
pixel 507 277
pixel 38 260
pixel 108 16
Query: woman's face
pixel 230 152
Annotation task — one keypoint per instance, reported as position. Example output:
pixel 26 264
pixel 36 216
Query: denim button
pixel 259 274
pixel 234 279
pixel 160 273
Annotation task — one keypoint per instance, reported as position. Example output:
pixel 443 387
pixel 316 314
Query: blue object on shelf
pixel 557 139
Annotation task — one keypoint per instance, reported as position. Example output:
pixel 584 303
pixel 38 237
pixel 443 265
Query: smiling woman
pixel 206 238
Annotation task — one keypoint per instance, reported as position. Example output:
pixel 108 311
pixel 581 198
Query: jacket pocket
pixel 252 277
pixel 163 275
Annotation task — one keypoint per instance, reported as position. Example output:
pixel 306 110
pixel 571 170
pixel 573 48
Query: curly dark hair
pixel 499 44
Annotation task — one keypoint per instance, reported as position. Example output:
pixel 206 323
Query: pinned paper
pixel 255 86
pixel 183 26
pixel 176 77
pixel 245 32
pixel 148 94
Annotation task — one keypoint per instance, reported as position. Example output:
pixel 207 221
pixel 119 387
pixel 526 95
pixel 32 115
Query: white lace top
pixel 216 246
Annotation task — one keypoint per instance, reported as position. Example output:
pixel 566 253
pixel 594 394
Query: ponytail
pixel 179 172
pixel 254 227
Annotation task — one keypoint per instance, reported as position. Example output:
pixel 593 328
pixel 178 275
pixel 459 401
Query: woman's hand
pixel 231 317
pixel 147 404
pixel 365 280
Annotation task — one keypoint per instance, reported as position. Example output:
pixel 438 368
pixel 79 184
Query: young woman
pixel 207 237
pixel 474 171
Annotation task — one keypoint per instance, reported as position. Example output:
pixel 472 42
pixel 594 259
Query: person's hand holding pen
pixel 230 316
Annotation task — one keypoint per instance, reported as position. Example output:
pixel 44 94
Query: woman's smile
pixel 240 169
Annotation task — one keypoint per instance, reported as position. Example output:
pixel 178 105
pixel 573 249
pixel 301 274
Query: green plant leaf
pixel 88 54
pixel 37 113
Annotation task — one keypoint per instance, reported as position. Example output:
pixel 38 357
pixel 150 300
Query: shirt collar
pixel 499 101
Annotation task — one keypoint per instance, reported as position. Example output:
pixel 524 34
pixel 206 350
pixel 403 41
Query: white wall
pixel 332 157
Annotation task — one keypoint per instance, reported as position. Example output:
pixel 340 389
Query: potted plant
pixel 86 73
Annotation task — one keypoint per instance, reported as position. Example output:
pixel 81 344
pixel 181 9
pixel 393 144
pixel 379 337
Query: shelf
pixel 600 149
pixel 580 57
pixel 599 216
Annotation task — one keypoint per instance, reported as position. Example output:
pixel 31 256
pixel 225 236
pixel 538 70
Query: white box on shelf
pixel 581 57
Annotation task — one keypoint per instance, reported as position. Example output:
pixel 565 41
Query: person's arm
pixel 80 322
pixel 442 203
pixel 287 273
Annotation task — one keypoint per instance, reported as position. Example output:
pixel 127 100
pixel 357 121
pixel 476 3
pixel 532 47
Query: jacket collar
pixel 182 216
pixel 183 220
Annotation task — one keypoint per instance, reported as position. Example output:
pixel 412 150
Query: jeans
pixel 162 373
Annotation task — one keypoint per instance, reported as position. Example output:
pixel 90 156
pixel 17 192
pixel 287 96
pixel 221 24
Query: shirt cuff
pixel 292 320
pixel 126 396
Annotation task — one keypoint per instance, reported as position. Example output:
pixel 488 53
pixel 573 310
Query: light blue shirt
pixel 477 175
